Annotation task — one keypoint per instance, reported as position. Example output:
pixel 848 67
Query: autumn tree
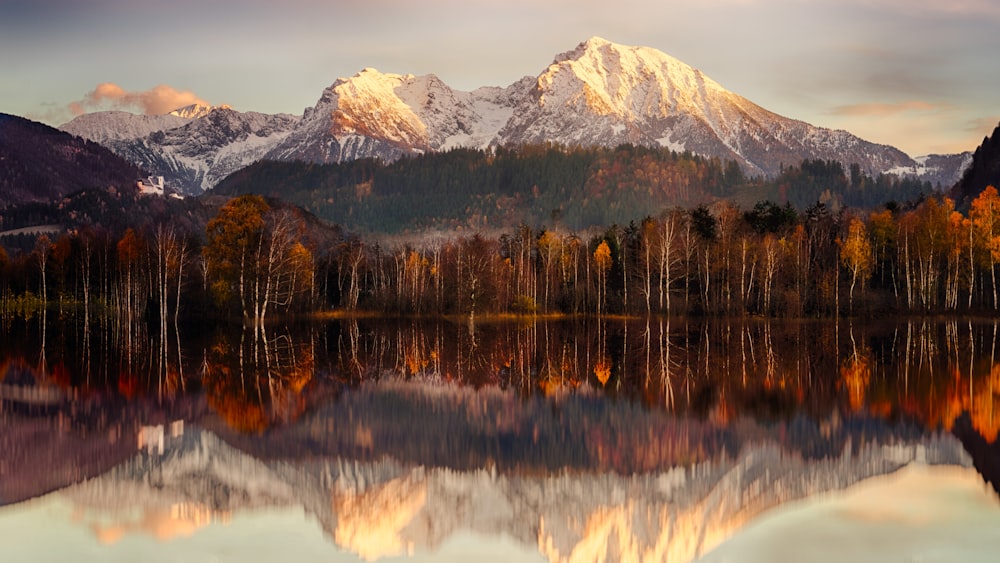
pixel 985 232
pixel 602 261
pixel 856 255
pixel 549 249
pixel 477 271
pixel 569 265
pixel 668 255
pixel 170 254
pixel 924 251
pixel 256 259
pixel 647 236
pixel 234 235
pixel 350 257
pixel 883 231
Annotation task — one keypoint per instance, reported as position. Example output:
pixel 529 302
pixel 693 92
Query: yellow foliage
pixel 602 256
pixel 602 370
pixel 855 375
pixel 856 251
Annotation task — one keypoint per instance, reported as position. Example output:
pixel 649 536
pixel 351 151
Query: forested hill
pixel 41 164
pixel 984 171
pixel 546 185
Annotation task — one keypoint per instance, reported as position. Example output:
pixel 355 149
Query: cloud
pixel 157 100
pixel 917 127
pixel 883 110
pixel 980 124
pixel 958 8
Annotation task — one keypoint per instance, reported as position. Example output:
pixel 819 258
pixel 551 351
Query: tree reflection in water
pixel 931 370
pixel 373 422
pixel 926 370
pixel 256 378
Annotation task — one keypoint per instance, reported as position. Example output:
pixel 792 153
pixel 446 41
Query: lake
pixel 574 440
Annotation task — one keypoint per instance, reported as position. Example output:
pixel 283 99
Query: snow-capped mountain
pixel 195 111
pixel 387 116
pixel 602 93
pixel 109 127
pixel 192 147
pixel 196 156
pixel 939 169
pixel 599 93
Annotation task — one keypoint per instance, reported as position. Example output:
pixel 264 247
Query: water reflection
pixel 257 380
pixel 587 440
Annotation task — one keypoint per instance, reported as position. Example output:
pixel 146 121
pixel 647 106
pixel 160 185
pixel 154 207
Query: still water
pixel 563 441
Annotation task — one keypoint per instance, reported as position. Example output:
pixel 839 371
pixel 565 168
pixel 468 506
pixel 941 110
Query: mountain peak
pixel 608 57
pixel 195 111
pixel 596 42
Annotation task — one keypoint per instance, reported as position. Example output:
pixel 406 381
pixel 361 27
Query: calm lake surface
pixel 564 441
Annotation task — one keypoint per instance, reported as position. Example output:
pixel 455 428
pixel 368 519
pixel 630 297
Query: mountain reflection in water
pixel 582 440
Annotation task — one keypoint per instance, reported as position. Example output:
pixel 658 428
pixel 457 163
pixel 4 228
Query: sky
pixel 921 75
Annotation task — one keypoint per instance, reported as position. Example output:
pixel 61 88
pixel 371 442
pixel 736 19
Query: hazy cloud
pixel 931 8
pixel 987 124
pixel 882 110
pixel 157 100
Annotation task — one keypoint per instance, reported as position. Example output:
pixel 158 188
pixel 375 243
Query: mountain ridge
pixel 598 94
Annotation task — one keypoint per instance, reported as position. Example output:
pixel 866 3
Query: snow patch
pixel 667 143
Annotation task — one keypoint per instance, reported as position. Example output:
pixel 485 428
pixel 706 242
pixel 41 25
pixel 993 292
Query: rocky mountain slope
pixel 607 94
pixel 598 94
pixel 389 115
pixel 193 148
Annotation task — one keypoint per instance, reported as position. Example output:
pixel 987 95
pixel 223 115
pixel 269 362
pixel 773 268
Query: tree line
pixel 256 260
pixel 571 187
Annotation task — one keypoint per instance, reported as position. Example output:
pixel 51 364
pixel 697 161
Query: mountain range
pixel 598 94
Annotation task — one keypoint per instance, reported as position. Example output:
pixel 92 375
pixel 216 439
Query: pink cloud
pixel 157 100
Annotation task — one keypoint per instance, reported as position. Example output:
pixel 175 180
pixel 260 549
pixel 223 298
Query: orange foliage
pixel 239 413
pixel 855 374
pixel 602 370
pixel 985 406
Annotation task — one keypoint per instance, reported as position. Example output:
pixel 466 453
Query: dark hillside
pixel 41 164
pixel 984 171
